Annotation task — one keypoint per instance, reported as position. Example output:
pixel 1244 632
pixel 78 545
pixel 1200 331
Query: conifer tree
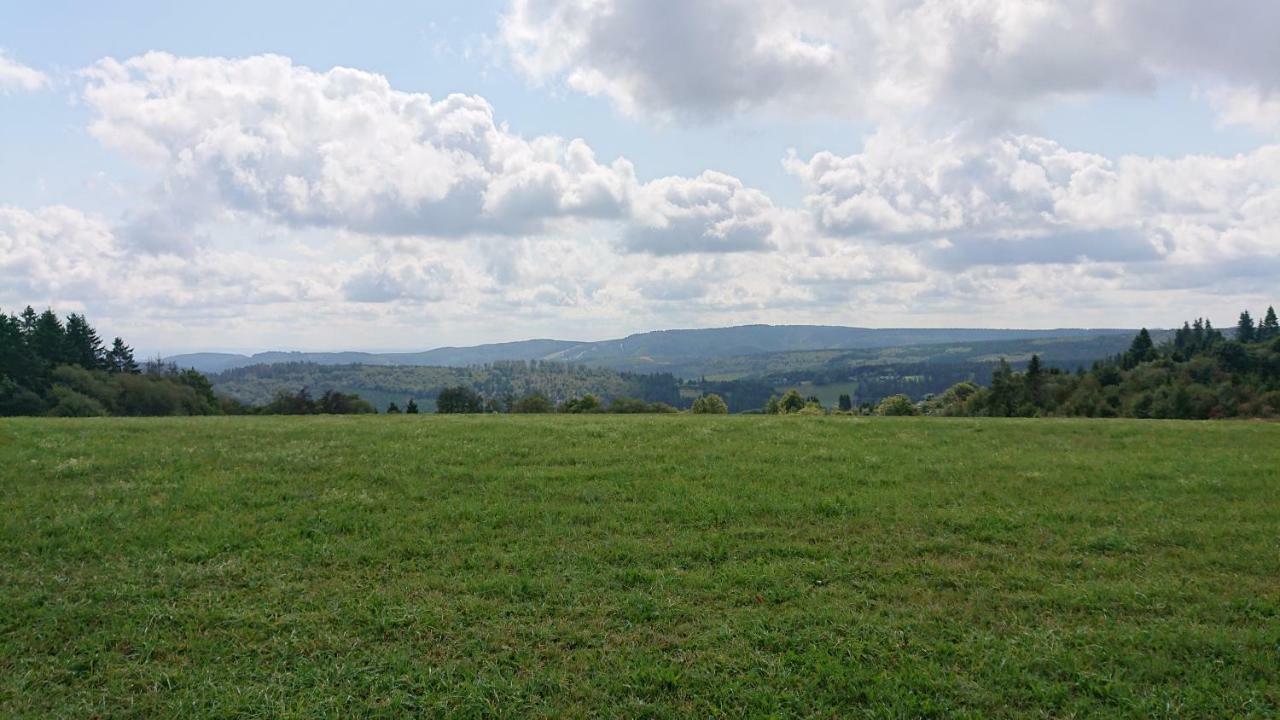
pixel 1035 379
pixel 1270 327
pixel 393 409
pixel 120 358
pixel 28 320
pixel 48 340
pixel 1142 350
pixel 412 407
pixel 84 347
pixel 1245 330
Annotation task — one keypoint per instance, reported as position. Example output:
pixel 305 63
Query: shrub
pixel 533 403
pixel 69 403
pixel 585 404
pixel 710 405
pixel 896 405
pixel 459 400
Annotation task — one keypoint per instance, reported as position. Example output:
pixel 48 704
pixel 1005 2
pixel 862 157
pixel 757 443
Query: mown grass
pixel 623 566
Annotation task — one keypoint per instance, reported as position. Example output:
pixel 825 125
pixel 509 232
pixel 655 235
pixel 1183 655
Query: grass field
pixel 626 566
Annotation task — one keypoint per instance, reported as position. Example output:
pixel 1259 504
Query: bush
pixel 628 406
pixel 585 404
pixel 896 405
pixel 533 403
pixel 459 400
pixel 710 405
pixel 16 400
pixel 69 403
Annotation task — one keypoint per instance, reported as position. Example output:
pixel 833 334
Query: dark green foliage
pixel 586 404
pixel 84 347
pixel 119 358
pixel 330 403
pixel 393 409
pixel 710 405
pixel 845 404
pixel 1199 374
pixel 533 403
pixel 1245 330
pixel 411 408
pixel 1270 327
pixel 47 367
pixel 459 400
pixel 48 340
pixel 897 405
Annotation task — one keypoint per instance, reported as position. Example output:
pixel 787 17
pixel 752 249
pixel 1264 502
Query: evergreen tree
pixel 393 409
pixel 84 347
pixel 1142 350
pixel 411 408
pixel 16 360
pixel 1245 330
pixel 28 320
pixel 48 340
pixel 1035 380
pixel 1003 395
pixel 1270 327
pixel 120 358
pixel 845 403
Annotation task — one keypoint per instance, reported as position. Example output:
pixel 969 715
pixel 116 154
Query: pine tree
pixel 1270 325
pixel 1142 350
pixel 1035 379
pixel 120 358
pixel 845 402
pixel 411 408
pixel 48 340
pixel 84 347
pixel 1245 330
pixel 28 320
pixel 393 409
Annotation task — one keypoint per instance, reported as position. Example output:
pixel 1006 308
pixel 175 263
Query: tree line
pixel 1200 373
pixel 460 399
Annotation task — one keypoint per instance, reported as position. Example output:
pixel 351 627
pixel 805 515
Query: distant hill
pixel 381 384
pixel 678 350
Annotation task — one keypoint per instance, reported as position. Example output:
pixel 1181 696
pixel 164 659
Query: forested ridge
pixel 1200 373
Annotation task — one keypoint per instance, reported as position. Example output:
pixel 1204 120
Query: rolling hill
pixel 679 351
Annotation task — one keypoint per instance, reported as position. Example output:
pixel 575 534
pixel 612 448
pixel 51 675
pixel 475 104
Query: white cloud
pixel 710 213
pixel 979 61
pixel 342 149
pixel 15 76
pixel 1019 200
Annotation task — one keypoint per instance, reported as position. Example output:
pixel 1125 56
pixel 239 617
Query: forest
pixel 1200 373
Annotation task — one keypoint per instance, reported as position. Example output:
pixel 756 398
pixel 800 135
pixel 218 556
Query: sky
pixel 404 175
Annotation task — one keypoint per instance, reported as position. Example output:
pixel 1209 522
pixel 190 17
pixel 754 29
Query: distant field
pixel 638 566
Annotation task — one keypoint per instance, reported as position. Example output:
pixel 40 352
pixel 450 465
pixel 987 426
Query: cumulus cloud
pixel 972 60
pixel 15 76
pixel 61 255
pixel 1020 200
pixel 342 149
pixel 713 212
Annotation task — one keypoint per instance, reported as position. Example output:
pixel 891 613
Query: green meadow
pixel 638 566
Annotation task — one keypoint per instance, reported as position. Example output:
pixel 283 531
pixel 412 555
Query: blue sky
pixel 780 161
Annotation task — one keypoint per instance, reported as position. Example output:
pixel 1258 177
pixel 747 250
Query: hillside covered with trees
pixel 52 367
pixel 501 384
pixel 1200 373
